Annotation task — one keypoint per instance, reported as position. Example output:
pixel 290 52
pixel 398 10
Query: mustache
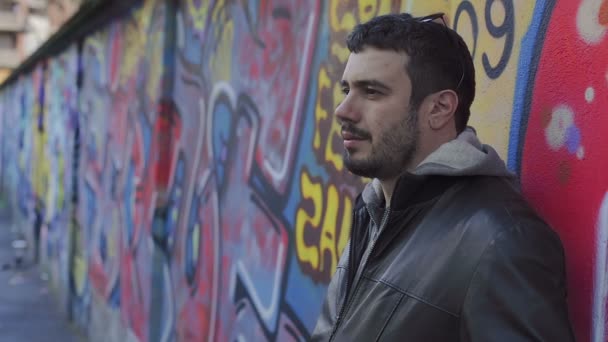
pixel 359 133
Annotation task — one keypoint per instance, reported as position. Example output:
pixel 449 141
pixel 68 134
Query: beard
pixel 388 157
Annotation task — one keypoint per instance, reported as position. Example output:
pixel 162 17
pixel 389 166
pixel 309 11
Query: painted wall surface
pixel 120 121
pixel 59 124
pixel 568 102
pixel 189 171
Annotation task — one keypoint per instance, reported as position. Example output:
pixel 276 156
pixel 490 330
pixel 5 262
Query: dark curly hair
pixel 439 58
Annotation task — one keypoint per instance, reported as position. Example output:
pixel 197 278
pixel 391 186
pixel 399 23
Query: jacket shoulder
pixel 499 207
pixel 522 267
pixel 492 216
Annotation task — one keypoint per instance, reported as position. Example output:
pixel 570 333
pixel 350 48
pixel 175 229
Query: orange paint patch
pixel 545 117
pixel 603 15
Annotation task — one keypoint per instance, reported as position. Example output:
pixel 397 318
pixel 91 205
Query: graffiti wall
pixel 59 123
pixel 185 170
pixel 120 121
pixel 566 115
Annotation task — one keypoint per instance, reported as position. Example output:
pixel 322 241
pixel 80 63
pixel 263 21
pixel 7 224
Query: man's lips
pixel 351 140
pixel 350 136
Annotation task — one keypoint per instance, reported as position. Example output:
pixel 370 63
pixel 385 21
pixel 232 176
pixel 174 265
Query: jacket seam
pixel 476 271
pixel 342 275
pixel 411 295
pixel 389 317
pixel 557 240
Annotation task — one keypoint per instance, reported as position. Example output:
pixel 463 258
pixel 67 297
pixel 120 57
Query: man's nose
pixel 347 110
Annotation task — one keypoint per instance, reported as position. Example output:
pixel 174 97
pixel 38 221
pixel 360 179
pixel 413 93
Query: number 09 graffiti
pixel 506 29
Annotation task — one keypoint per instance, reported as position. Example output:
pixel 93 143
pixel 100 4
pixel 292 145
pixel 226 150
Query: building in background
pixel 26 24
pixel 59 11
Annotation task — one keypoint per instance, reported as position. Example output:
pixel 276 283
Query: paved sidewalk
pixel 28 312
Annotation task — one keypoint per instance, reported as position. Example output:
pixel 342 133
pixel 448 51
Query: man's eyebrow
pixel 367 83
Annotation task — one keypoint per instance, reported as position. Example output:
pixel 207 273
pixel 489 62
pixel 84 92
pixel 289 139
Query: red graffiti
pixel 564 145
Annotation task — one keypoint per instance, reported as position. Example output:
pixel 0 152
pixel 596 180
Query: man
pixel 443 247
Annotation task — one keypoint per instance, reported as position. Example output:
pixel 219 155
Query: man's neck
pixel 388 186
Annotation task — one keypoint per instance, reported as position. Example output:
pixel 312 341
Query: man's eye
pixel 345 91
pixel 371 91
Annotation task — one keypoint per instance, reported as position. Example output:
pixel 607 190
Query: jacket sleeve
pixel 518 291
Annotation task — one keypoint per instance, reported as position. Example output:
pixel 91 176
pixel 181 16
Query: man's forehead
pixel 376 64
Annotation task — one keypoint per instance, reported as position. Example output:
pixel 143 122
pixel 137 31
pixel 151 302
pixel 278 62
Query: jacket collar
pixel 410 190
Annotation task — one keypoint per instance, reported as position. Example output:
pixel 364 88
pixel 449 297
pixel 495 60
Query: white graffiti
pixel 249 266
pixel 587 22
pixel 589 94
pixel 562 118
pixel 600 286
pixel 279 174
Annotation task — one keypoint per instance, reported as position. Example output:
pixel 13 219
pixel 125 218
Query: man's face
pixel 378 126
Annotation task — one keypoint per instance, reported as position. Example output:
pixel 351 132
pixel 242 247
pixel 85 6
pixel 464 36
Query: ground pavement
pixel 28 311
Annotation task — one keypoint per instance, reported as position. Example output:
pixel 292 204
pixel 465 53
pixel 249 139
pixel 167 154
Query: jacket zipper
pixel 348 301
pixel 343 306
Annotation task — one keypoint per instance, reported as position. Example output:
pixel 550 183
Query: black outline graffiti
pixel 507 30
pixel 467 7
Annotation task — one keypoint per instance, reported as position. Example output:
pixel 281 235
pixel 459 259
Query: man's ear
pixel 442 106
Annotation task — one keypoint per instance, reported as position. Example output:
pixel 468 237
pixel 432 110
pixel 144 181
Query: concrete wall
pixel 188 170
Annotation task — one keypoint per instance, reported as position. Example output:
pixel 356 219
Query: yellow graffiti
pixel 319 244
pixel 346 23
pixel 40 167
pixel 220 62
pixel 79 264
pixel 328 233
pixel 321 116
pixel 198 14
pixel 60 182
pixel 144 14
pixel 371 8
pixel 135 40
pixel 320 112
pixel 310 191
pixel 219 14
pixel 493 124
pixel 340 51
pixel 134 43
pixel 421 8
pixel 343 18
pixel 156 65
pixel 332 156
pixel 328 239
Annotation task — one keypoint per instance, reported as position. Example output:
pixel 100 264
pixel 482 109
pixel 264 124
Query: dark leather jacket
pixel 453 259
